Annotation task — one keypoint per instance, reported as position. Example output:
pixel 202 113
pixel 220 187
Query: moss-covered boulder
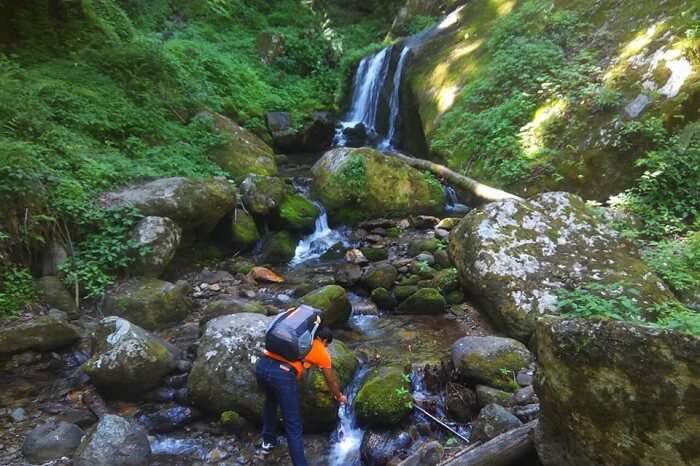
pixel 383 298
pixel 418 246
pixel 612 392
pixel 384 399
pixel 278 248
pixel 380 276
pixel 360 184
pixel 244 232
pixel 333 301
pixel 423 301
pixel 494 361
pixel 53 292
pixel 127 361
pixel 148 302
pixel 37 334
pixel 445 281
pixel 156 240
pixel 375 254
pixel 242 152
pixel 515 256
pixel 402 292
pixel 297 213
pixel 197 205
pixel 263 195
pixel 319 408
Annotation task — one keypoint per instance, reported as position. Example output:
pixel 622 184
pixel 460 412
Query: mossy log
pixel 482 193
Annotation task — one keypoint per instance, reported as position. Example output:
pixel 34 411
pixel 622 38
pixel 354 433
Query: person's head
pixel 325 335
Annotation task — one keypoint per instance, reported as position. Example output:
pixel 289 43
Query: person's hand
pixel 342 399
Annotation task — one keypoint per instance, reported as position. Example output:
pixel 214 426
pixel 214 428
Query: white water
pixel 453 204
pixel 395 101
pixel 321 240
pixel 347 438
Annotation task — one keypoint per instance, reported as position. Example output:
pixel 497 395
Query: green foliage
pixel 109 18
pixel 675 316
pixel 677 262
pixel 420 23
pixel 16 291
pixel 353 175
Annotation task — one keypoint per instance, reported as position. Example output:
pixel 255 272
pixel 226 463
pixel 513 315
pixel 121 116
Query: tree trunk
pixel 482 193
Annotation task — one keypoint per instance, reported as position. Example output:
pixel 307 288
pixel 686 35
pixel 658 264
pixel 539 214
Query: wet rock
pixel 383 298
pixel 51 441
pixel 335 252
pixel 127 360
pixel 492 421
pixel 197 205
pixel 424 221
pixel 244 233
pixel 378 447
pixel 347 275
pixel 167 420
pixel 384 399
pixel 177 381
pixel 611 391
pixel 316 135
pixel 333 301
pixel 114 442
pixel 428 454
pixel 460 402
pixel 160 238
pixel 359 184
pixel 486 395
pixel 263 195
pixel 418 246
pixel 380 276
pixel 490 360
pixel 514 256
pixel 148 302
pixel 297 213
pixel 37 334
pixel 423 301
pixel 278 248
pixel 355 256
pixel 53 292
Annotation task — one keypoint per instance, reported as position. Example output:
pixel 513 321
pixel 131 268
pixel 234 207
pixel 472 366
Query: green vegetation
pixel 16 291
pixel 677 262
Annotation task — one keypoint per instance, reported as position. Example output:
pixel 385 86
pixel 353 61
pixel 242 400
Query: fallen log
pixel 482 193
pixel 503 450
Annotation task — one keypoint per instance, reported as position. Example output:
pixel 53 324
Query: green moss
pixel 279 248
pixel 384 399
pixel 375 254
pixel 298 213
pixel 424 301
pixel 332 300
pixel 244 231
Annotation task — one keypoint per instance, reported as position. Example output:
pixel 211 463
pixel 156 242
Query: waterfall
pixel 347 438
pixel 394 102
pixel 453 205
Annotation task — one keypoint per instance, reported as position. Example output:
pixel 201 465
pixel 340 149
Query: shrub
pixel 16 291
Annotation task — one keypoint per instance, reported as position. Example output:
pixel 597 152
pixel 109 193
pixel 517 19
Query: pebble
pixel 283 298
pixel 250 294
pixel 215 287
pixel 19 415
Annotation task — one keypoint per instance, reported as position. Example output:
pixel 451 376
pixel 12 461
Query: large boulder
pixel 278 248
pixel 360 184
pixel 380 276
pixel 494 361
pixel 242 152
pixel 243 230
pixel 333 301
pixel 263 195
pixel 384 400
pixel 37 334
pixel 148 302
pixel 197 205
pixel 54 293
pixel 297 213
pixel 514 256
pixel 316 135
pixel 50 441
pixel 160 237
pixel 612 392
pixel 114 442
pixel 127 361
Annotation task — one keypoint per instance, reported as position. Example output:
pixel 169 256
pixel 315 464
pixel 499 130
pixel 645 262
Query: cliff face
pixel 537 95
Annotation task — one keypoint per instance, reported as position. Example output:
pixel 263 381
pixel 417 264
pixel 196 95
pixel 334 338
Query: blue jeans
pixel 281 390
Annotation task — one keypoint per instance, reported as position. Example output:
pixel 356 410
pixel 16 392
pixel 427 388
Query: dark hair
pixel 324 333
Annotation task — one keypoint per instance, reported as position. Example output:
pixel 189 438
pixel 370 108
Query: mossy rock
pixel 298 213
pixel 37 334
pixel 402 292
pixel 455 297
pixel 279 248
pixel 263 195
pixel 333 301
pixel 493 361
pixel 383 298
pixel 360 184
pixel 244 232
pixel 375 254
pixel 380 276
pixel 239 265
pixel 417 246
pixel 384 399
pixel 230 305
pixel 423 301
pixel 445 280
pixel 54 293
pixel 486 395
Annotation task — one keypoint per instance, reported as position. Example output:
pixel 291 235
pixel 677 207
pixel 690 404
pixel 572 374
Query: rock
pixel 53 258
pixel 127 360
pixel 611 391
pixel 359 184
pixel 278 248
pixel 448 223
pixel 244 232
pixel 442 259
pixel 315 136
pixel 514 256
pixel 461 402
pixel 404 291
pixel 263 195
pixel 319 409
pixel 335 252
pixel 525 377
pixel 239 266
pixel 355 256
pixel 442 234
pixel 333 301
pixel 379 447
pixel 197 205
pixel 418 246
pixel 383 298
pixel 426 258
pixel 424 221
pixel 423 301
pixel 265 275
pixel 243 152
pixel 445 281
pixel 524 396
pixel 319 132
pixel 384 399
pixel 159 237
pixel 37 334
pixel 50 441
pixel 428 454
pixel 375 254
pixel 148 302
pixel 298 213
pixel 380 276
pixel 492 421
pixel 491 360
pixel 526 413
pixel 455 297
pixel 486 395
pixel 114 442
pixel 169 419
pixel 19 415
pixel 234 422
pixel 347 275
pixel 54 293
pixel 230 305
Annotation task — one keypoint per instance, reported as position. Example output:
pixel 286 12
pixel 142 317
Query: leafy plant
pixel 600 300
pixel 677 261
pixel 16 291
pixel 405 394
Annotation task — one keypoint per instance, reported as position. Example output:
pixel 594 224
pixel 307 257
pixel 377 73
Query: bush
pixel 16 291
pixel 677 262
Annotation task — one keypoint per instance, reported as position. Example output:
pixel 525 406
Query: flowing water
pixel 347 438
pixel 321 240
pixel 453 205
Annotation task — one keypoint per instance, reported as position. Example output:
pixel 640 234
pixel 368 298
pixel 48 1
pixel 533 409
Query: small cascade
pixel 347 438
pixel 321 240
pixel 453 205
pixel 432 402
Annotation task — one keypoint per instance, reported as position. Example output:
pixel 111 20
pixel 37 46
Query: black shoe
pixel 265 448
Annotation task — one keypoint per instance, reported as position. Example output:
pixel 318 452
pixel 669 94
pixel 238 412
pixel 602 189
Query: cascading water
pixel 321 240
pixel 453 205
pixel 347 438
pixel 394 102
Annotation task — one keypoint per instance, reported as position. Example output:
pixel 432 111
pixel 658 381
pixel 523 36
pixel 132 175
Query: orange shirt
pixel 318 356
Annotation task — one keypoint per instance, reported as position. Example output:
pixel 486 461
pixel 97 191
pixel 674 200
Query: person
pixel 278 378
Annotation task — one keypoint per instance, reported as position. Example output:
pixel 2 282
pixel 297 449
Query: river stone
pixel 423 301
pixel 244 232
pixel 197 205
pixel 445 281
pixel 383 298
pixel 347 275
pixel 460 402
pixel 161 236
pixel 38 334
pixel 114 442
pixel 127 361
pixel 404 291
pixel 378 447
pixel 243 152
pixel 297 213
pixel 514 256
pixel 278 248
pixel 50 441
pixel 380 276
pixel 226 305
pixel 486 395
pixel 611 391
pixel 333 301
pixel 54 293
pixel 168 419
pixel 492 421
pixel 148 302
pixel 384 399
pixel 490 360
pixel 360 184
pixel 418 246
pixel 319 408
pixel 428 454
pixel 263 195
